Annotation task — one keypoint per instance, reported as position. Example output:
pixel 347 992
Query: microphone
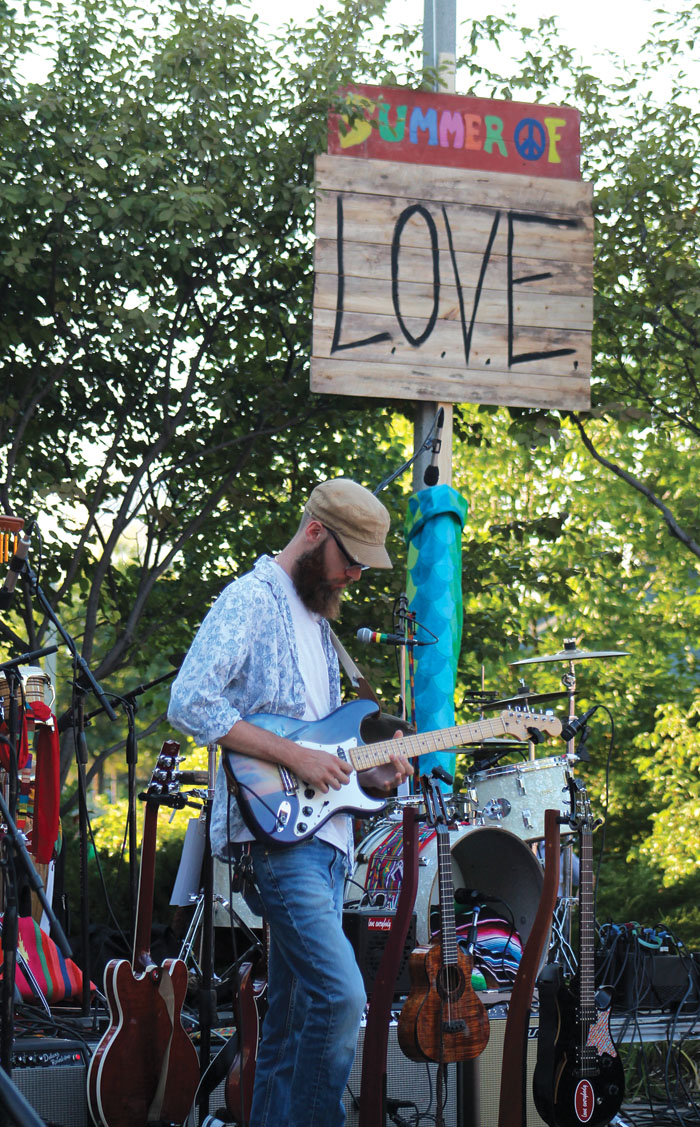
pixel 569 730
pixel 432 473
pixel 15 570
pixel 471 896
pixel 366 635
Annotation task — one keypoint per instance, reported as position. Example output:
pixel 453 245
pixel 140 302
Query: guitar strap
pixel 383 726
pixel 217 1071
pixel 358 682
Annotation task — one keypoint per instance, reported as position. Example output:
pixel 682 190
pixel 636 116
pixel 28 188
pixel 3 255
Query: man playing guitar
pixel 265 647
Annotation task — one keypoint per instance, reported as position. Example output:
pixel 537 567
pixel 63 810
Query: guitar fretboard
pixel 373 755
pixel 448 926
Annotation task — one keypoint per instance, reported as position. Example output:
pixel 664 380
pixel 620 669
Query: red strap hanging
pixel 47 786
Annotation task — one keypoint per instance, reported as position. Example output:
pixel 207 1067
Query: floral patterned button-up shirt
pixel 243 660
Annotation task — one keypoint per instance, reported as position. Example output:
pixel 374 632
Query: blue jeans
pixel 315 995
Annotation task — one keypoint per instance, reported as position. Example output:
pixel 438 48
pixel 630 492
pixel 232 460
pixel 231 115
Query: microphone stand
pixel 76 720
pixel 15 852
pixel 207 993
pixel 128 700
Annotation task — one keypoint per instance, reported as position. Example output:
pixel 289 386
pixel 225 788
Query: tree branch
pixel 671 523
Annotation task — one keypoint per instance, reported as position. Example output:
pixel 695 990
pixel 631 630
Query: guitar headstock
pixel 164 787
pixel 435 809
pixel 518 721
pixel 580 805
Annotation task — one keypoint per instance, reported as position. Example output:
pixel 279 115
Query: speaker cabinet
pixel 406 1081
pixel 52 1076
pixel 481 1084
pixel 659 982
pixel 368 931
pixel 472 1089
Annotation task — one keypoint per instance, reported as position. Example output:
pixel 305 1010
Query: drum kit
pixel 498 821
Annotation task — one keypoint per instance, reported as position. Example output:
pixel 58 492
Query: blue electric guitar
pixel 281 809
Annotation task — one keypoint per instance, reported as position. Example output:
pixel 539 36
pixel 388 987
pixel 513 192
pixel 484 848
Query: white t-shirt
pixel 314 671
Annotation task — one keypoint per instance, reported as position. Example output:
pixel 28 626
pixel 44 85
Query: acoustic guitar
pixel 145 1069
pixel 578 1076
pixel 443 1019
pixel 280 809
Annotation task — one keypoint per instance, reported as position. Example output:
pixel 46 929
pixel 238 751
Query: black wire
pixel 427 444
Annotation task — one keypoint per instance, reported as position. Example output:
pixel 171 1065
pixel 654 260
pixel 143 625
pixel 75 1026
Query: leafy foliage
pixel 156 281
pixel 155 276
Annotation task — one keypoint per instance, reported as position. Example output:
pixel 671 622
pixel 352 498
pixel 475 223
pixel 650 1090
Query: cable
pixel 425 445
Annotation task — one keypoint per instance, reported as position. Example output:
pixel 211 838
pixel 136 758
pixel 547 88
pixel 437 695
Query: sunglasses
pixel 350 561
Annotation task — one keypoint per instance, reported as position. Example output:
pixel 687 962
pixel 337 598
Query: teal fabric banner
pixel 433 531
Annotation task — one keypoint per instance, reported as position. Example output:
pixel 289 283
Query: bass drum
pixel 492 861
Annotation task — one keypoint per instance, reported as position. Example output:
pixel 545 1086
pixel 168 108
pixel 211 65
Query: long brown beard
pixel 312 587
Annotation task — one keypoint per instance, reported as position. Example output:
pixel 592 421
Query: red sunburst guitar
pixel 145 1069
pixel 443 1019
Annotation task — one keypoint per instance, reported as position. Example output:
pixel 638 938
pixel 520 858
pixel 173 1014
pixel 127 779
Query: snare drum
pixel 493 861
pixel 516 798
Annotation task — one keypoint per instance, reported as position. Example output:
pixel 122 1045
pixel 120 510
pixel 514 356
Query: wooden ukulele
pixel 578 1077
pixel 145 1069
pixel 443 1019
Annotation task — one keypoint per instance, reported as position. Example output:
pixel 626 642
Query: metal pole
pixel 439 51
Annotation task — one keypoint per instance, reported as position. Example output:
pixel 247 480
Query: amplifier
pixel 368 930
pixel 481 1079
pixel 406 1081
pixel 472 1089
pixel 658 982
pixel 51 1074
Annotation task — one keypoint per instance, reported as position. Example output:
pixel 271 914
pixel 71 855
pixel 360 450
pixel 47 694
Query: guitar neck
pixel 141 956
pixel 167 761
pixel 448 924
pixel 586 929
pixel 373 755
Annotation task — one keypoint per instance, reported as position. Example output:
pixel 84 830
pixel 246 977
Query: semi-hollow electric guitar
pixel 443 1019
pixel 280 808
pixel 145 1068
pixel 578 1077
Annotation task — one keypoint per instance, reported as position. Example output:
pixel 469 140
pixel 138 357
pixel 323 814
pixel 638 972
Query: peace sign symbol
pixel 530 139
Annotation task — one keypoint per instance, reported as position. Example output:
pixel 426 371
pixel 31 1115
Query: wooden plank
pixel 427 127
pixel 569 198
pixel 530 306
pixel 429 289
pixel 374 219
pixel 367 260
pixel 445 346
pixel 357 378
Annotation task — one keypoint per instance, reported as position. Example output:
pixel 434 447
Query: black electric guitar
pixel 578 1077
pixel 280 808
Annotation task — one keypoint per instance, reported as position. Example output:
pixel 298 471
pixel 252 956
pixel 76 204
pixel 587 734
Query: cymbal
pixel 571 655
pixel 528 699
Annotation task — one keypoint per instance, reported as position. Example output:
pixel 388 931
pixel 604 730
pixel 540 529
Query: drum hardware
pixel 482 857
pixel 524 696
pixel 570 653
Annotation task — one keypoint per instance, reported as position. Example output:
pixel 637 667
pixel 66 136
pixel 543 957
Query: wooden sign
pixel 452 284
pixel 422 127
